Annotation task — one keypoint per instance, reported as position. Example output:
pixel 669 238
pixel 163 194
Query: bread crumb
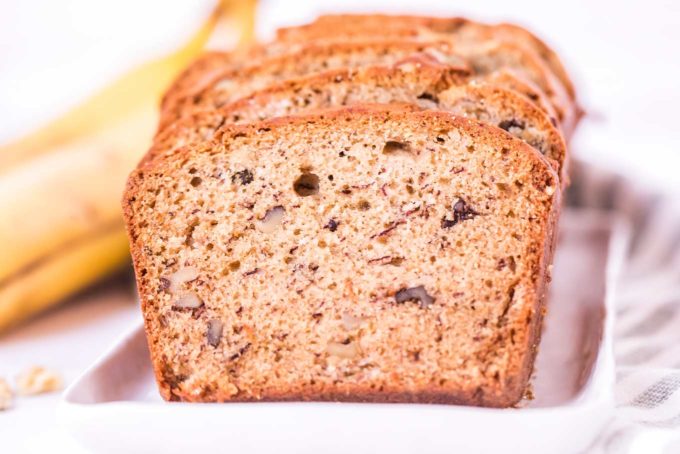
pixel 38 380
pixel 6 395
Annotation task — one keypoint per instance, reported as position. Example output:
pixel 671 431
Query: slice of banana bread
pixel 419 80
pixel 362 254
pixel 493 56
pixel 235 82
pixel 462 29
pixel 417 74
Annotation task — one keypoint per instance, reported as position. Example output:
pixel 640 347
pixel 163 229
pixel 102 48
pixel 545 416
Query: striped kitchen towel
pixel 647 329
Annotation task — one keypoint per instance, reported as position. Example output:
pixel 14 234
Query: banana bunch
pixel 61 225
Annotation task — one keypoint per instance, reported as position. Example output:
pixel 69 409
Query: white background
pixel 623 56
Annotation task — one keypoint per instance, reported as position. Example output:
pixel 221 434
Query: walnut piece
pixel 244 177
pixel 347 351
pixel 272 219
pixel 511 124
pixel 332 225
pixel 38 380
pixel 427 101
pixel 306 184
pixel 395 146
pixel 417 294
pixel 6 395
pixel 214 333
pixel 176 280
pixel 188 301
pixel 350 322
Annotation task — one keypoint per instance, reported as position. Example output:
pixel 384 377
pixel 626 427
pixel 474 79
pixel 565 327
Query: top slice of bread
pixel 362 254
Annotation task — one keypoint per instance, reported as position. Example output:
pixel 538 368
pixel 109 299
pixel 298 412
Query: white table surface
pixel 52 54
pixel 66 339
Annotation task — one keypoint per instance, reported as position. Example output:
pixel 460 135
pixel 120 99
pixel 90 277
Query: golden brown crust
pixel 336 28
pixel 485 61
pixel 545 68
pixel 503 394
pixel 508 79
pixel 528 116
pixel 363 394
pixel 544 50
pixel 543 280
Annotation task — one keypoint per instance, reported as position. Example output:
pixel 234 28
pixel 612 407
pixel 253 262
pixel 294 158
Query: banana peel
pixel 60 188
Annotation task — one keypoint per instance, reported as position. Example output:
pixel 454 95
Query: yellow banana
pixel 60 197
pixel 243 15
pixel 238 23
pixel 60 188
pixel 62 274
pixel 62 226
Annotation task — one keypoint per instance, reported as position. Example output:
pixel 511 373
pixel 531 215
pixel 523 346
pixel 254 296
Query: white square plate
pixel 115 407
